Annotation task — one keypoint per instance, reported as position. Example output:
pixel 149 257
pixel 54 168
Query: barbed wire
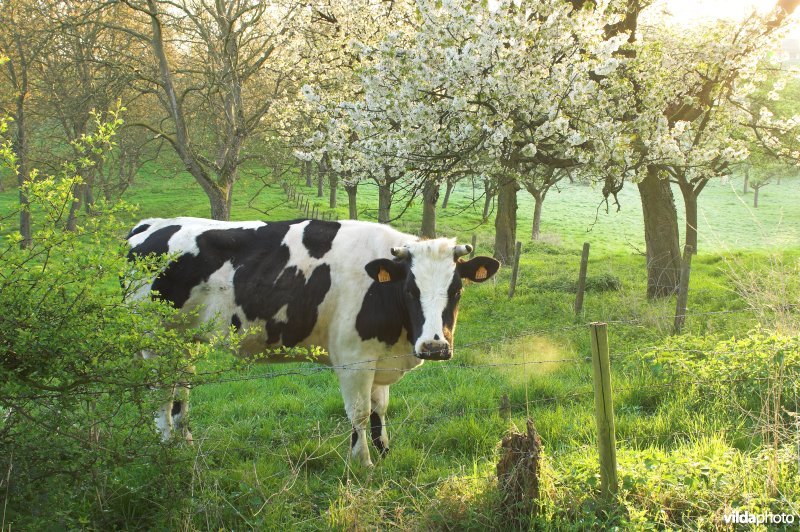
pixel 197 379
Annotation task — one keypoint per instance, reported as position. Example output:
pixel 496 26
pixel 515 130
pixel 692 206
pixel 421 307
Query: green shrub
pixel 78 444
pixel 744 369
pixel 605 282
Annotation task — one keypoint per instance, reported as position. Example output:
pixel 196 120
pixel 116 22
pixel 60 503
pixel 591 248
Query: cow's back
pixel 300 282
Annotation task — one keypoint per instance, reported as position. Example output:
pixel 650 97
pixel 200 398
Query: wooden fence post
pixel 474 245
pixel 604 410
pixel 505 407
pixel 683 290
pixel 515 271
pixel 582 278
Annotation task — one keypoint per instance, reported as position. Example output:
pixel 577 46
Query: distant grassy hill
pixel 572 213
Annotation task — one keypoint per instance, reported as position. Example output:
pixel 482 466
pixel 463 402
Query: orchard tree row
pixel 412 96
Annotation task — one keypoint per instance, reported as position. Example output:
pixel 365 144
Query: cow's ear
pixel 478 269
pixel 386 270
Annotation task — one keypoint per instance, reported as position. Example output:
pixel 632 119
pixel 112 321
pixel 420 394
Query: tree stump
pixel 518 476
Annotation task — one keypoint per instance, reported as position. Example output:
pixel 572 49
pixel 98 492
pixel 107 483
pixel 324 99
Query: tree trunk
pixel 537 216
pixel 690 205
pixel 24 213
pixel 384 202
pixel 322 172
pixel 746 181
pixel 450 184
pixel 352 206
pixel 505 221
pixel 487 200
pixel 20 147
pixel 755 196
pixel 660 234
pixel 333 183
pixel 220 198
pixel 307 165
pixel 88 196
pixel 430 196
pixel 78 193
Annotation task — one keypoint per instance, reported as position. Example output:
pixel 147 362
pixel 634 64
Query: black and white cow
pixel 379 301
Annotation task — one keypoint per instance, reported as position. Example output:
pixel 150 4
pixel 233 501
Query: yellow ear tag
pixel 383 276
pixel 481 273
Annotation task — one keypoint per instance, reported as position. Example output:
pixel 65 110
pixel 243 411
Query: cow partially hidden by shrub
pixel 378 301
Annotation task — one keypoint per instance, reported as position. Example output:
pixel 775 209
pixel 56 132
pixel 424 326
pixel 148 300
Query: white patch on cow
pixel 282 315
pixel 164 421
pixel 185 239
pixel 433 266
pixel 298 254
pixel 215 298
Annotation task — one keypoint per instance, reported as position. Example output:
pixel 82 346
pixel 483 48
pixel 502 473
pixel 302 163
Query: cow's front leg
pixel 356 385
pixel 377 419
pixel 164 419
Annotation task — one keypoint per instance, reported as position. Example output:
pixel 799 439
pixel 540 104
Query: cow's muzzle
pixel 435 350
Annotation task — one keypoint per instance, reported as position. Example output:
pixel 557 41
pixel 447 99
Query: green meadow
pixel 271 441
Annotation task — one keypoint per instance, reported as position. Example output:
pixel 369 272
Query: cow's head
pixel 429 275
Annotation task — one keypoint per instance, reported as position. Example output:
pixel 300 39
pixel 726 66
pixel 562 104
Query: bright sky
pixel 696 11
pixel 691 11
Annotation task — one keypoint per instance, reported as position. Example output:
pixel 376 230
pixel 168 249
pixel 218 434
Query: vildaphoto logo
pixel 747 518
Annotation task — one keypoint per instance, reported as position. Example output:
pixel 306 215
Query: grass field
pixel 270 453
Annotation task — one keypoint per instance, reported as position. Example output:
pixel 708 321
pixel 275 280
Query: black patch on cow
pixel 376 427
pixel 353 438
pixel 138 229
pixel 262 284
pixel 176 408
pixel 390 307
pixel 236 322
pixel 383 313
pixel 469 269
pixel 157 242
pixel 397 269
pixel 300 296
pixel 318 237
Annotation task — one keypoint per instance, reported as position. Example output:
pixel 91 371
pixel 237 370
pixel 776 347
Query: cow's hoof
pixel 362 459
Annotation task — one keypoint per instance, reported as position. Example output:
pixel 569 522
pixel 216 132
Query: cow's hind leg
pixel 356 385
pixel 377 419
pixel 180 411
pixel 173 414
pixel 164 415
